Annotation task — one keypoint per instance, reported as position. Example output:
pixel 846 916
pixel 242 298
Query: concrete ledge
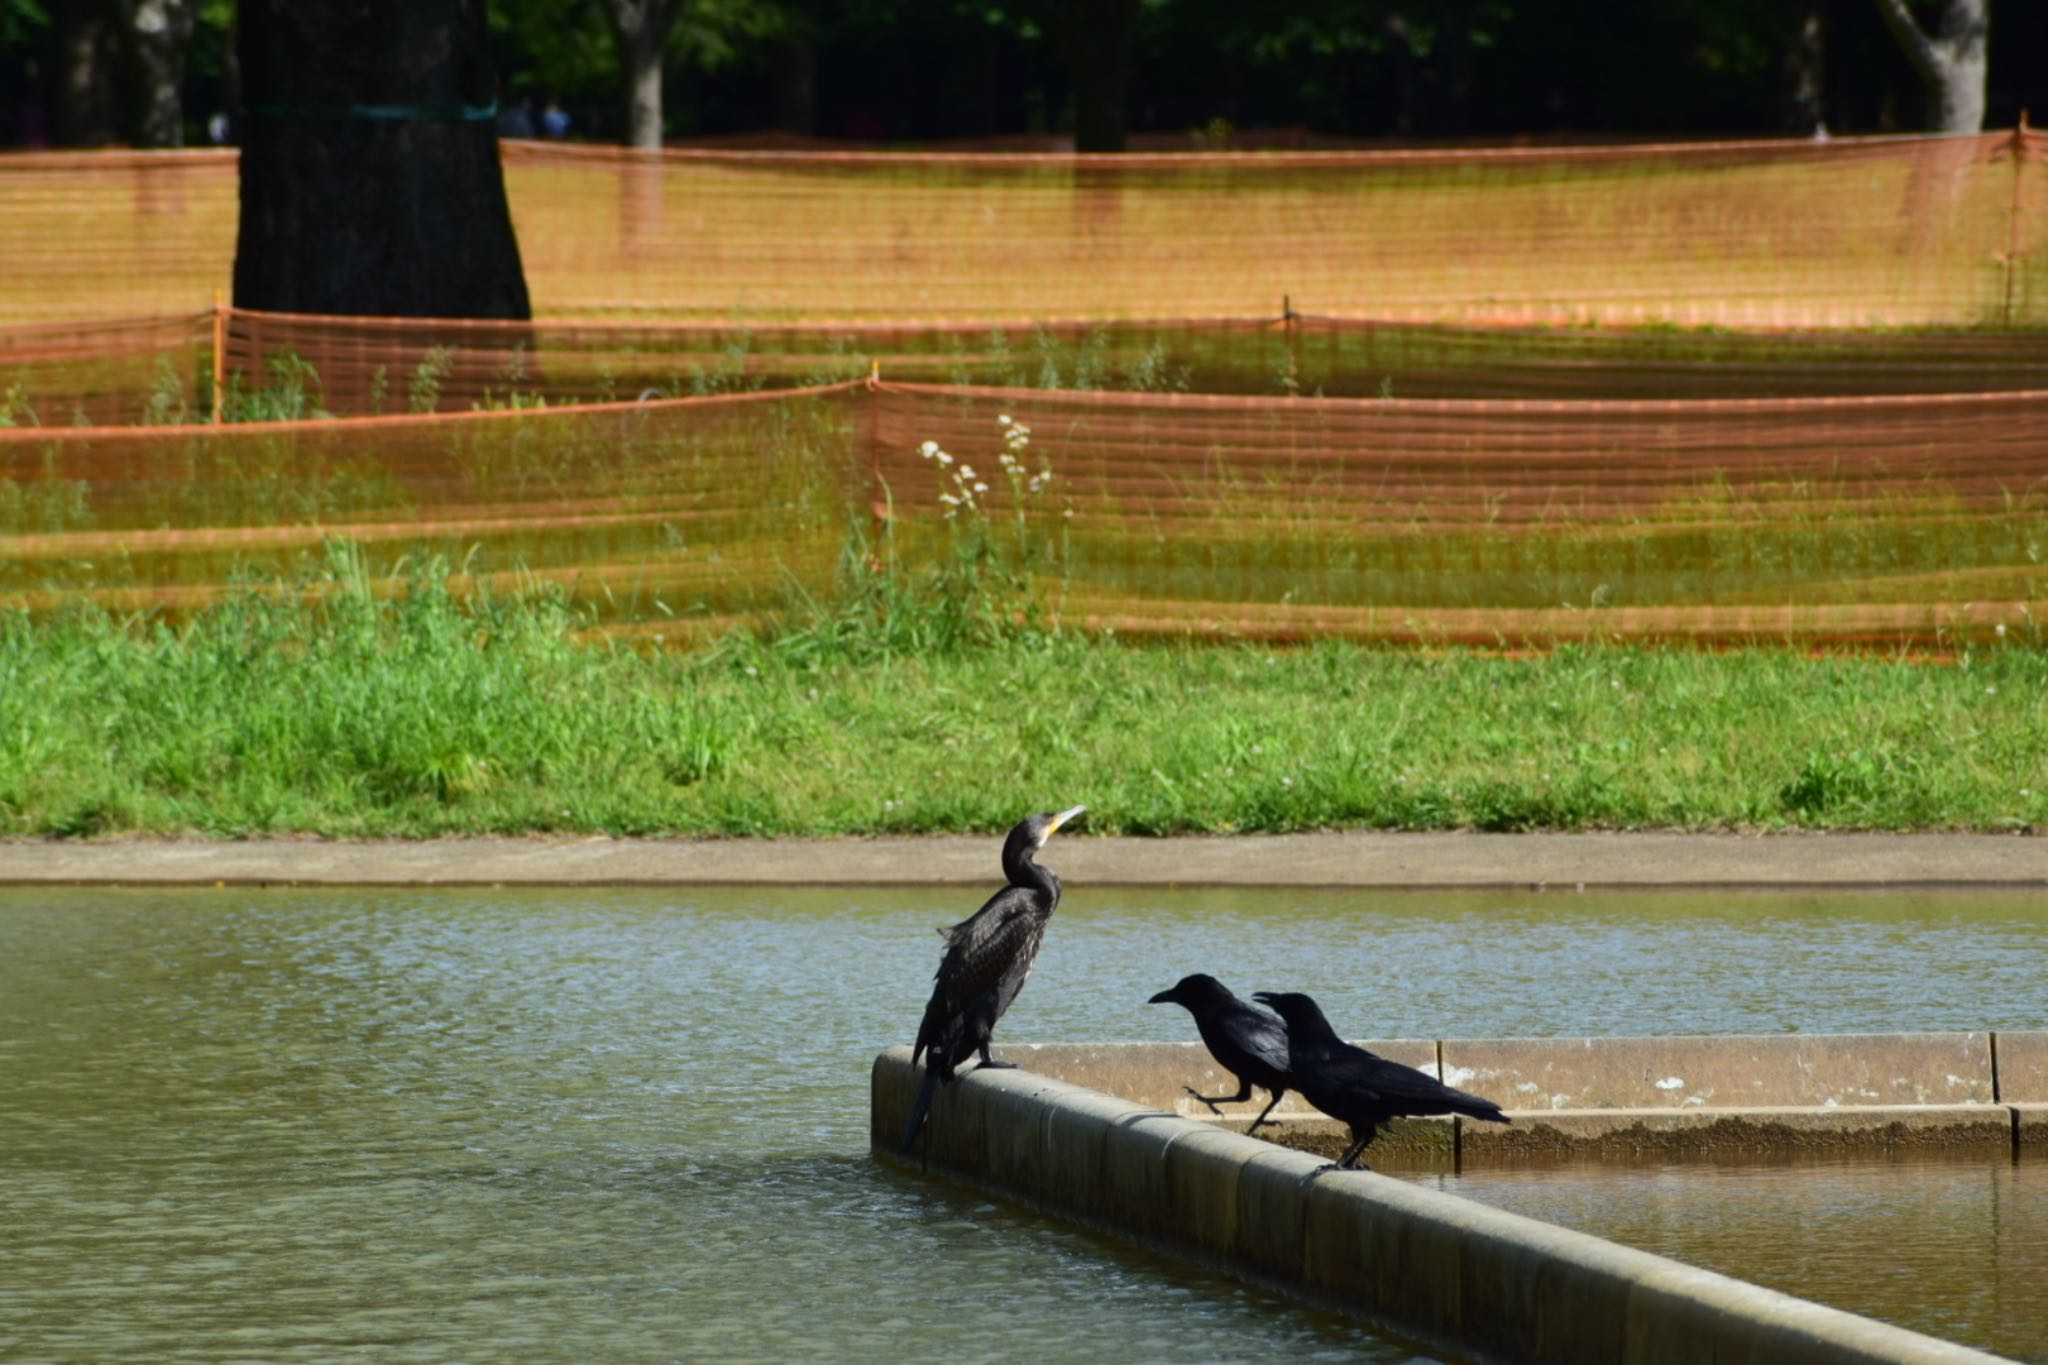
pixel 1408 1143
pixel 2022 1067
pixel 1455 1274
pixel 1820 1070
pixel 1693 1132
pixel 1675 1097
pixel 1157 1073
pixel 2023 1087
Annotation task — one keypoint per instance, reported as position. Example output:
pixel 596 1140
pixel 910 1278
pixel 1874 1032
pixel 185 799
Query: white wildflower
pixel 928 449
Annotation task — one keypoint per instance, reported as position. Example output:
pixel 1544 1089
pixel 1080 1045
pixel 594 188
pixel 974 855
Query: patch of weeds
pixel 423 391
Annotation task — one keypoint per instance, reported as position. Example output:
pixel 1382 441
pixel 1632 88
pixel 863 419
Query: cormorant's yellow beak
pixel 1062 818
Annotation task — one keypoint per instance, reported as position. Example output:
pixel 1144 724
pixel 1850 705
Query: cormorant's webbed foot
pixel 991 1064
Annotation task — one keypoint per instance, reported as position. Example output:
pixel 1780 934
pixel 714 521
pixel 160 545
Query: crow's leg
pixel 1244 1092
pixel 1363 1136
pixel 1277 1094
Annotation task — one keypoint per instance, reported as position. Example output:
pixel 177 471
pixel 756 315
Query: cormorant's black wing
pixel 979 950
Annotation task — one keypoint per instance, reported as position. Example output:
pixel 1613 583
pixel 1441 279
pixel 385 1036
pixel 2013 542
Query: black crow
pixel 1355 1086
pixel 1248 1043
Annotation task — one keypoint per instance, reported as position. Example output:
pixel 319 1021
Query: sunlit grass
pixel 426 714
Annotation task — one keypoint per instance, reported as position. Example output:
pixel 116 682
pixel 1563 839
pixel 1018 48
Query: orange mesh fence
pixel 708 510
pixel 120 371
pixel 114 234
pixel 1824 520
pixel 1856 232
pixel 283 365
pixel 1821 519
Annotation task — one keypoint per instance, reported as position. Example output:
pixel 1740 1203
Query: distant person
pixel 515 120
pixel 35 132
pixel 554 120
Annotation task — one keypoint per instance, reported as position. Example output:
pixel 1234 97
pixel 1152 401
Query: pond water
pixel 630 1124
pixel 1953 1246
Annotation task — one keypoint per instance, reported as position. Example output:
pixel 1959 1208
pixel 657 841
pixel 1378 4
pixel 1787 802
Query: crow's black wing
pixel 1401 1089
pixel 1255 1033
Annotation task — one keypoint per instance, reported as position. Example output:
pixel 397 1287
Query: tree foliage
pixel 917 71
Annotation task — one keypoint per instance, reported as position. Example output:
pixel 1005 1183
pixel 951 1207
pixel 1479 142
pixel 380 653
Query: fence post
pixel 2014 236
pixel 1290 321
pixel 220 353
pixel 879 509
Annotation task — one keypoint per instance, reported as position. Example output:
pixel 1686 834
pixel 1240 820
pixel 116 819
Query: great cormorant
pixel 1248 1043
pixel 988 957
pixel 1355 1086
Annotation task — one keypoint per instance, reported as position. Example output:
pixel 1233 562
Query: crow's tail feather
pixel 1471 1106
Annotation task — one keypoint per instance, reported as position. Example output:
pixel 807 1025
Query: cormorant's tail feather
pixel 921 1108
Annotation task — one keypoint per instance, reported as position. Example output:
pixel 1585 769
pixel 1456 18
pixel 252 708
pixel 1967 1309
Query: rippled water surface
pixel 1953 1246
pixel 631 1124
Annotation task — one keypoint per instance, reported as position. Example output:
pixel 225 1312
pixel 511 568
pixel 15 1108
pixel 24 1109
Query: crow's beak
pixel 1263 997
pixel 1068 814
pixel 1163 998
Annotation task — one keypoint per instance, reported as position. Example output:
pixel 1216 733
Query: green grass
pixel 425 715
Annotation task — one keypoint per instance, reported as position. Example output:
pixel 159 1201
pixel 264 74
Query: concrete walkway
pixel 1363 859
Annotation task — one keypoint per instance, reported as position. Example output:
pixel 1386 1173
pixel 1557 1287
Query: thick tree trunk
pixel 640 30
pixel 1450 108
pixel 1952 60
pixel 370 174
pixel 85 49
pixel 1806 70
pixel 643 94
pixel 154 35
pixel 1095 37
pixel 794 70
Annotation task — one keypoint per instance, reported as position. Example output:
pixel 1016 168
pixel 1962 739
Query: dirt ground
pixel 1363 859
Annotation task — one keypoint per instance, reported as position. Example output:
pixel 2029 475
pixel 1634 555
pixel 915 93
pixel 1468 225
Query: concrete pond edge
pixel 1438 1269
